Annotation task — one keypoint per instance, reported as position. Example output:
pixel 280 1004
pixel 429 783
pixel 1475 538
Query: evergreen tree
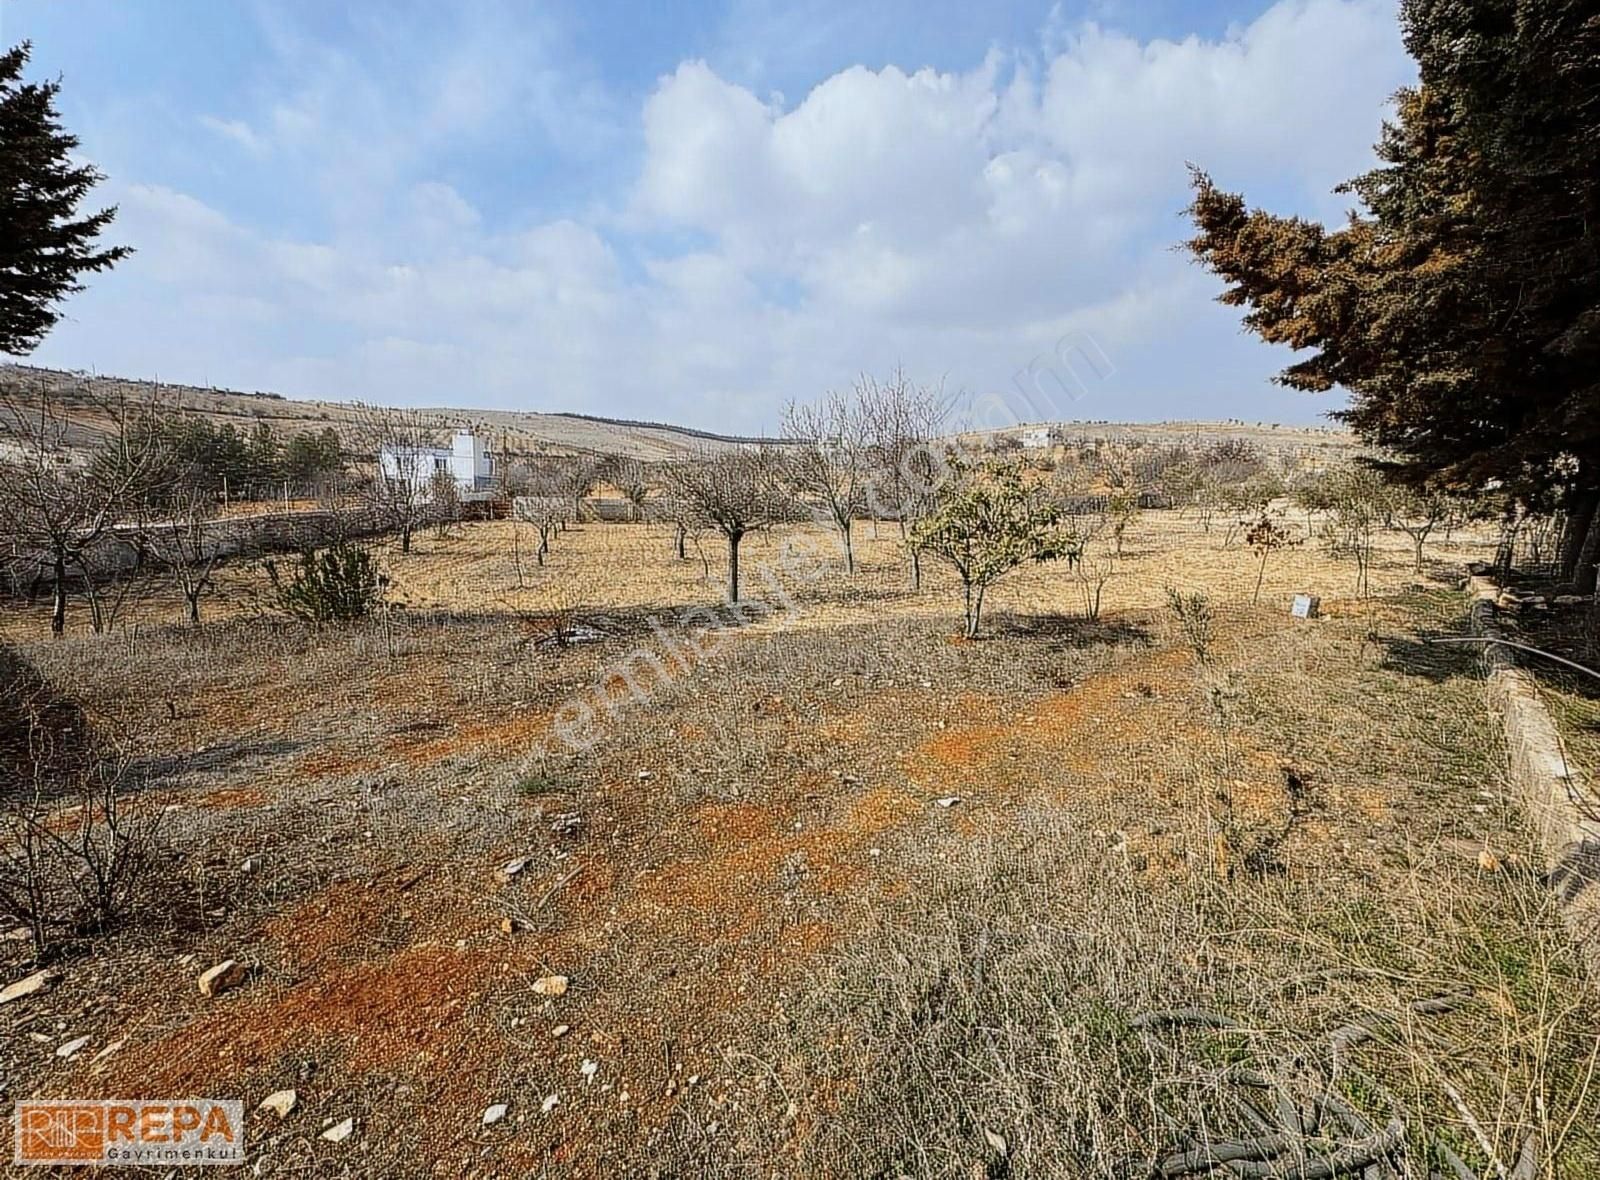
pixel 1460 305
pixel 45 245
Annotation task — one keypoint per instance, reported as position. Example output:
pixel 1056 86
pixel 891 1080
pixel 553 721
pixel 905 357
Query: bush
pixel 332 585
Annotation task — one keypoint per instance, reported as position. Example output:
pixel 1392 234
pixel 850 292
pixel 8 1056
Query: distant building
pixel 1039 437
pixel 466 460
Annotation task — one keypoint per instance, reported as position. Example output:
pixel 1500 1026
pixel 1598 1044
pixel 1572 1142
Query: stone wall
pixel 1563 807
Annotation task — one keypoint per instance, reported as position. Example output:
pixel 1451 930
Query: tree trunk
pixel 1588 557
pixel 405 537
pixel 683 537
pixel 849 549
pixel 977 615
pixel 194 607
pixel 1582 521
pixel 916 569
pixel 58 609
pixel 733 565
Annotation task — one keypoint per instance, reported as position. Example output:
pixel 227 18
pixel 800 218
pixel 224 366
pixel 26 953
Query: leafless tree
pixel 578 476
pixel 59 505
pixel 735 492
pixel 828 460
pixel 190 543
pixel 632 479
pixel 902 419
pixel 397 442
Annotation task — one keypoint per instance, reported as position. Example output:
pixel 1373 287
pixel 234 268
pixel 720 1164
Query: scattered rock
pixel 995 1140
pixel 646 775
pixel 588 1069
pixel 549 1103
pixel 567 823
pixel 340 1131
pixel 70 1050
pixel 560 1030
pixel 1488 861
pixel 551 985
pixel 512 868
pixel 495 1113
pixel 280 1102
pixel 109 1050
pixel 28 985
pixel 229 973
pixel 249 865
pixel 947 801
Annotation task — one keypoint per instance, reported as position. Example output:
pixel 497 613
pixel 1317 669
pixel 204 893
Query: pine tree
pixel 45 245
pixel 1460 305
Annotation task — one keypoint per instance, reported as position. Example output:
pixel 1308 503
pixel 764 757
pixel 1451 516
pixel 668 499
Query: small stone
pixel 588 1069
pixel 227 974
pixel 551 985
pixel 646 775
pixel 509 925
pixel 340 1131
pixel 560 1031
pixel 249 865
pixel 70 1050
pixel 28 985
pixel 948 801
pixel 511 868
pixel 1488 861
pixel 549 1103
pixel 494 1114
pixel 279 1102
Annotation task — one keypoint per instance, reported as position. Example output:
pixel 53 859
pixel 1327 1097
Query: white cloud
pixel 956 222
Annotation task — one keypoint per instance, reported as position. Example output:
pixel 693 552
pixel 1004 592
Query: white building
pixel 1039 437
pixel 465 459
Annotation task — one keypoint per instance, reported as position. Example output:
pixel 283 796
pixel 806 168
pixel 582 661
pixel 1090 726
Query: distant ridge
pixel 635 424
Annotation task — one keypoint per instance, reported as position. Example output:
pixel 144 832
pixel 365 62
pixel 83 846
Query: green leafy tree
pixel 1460 304
pixel 987 519
pixel 47 245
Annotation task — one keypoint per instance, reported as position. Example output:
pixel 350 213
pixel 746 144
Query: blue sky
pixel 694 212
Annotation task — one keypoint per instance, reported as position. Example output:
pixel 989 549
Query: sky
pixel 696 212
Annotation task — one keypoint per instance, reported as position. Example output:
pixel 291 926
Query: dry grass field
pixel 833 892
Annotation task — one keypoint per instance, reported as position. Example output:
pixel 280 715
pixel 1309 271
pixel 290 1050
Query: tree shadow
pixel 1062 631
pixel 1436 662
pixel 147 772
pixel 44 737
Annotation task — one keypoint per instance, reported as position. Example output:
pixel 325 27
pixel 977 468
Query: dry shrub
pixel 991 1025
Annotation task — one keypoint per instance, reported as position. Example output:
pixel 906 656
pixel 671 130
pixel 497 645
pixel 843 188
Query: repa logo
pixel 115 1131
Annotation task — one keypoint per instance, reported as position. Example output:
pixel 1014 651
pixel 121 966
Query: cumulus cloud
pixel 956 222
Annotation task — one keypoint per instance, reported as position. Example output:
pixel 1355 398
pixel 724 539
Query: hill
pixel 531 432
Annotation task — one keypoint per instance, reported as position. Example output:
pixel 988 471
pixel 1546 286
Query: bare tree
pixel 632 479
pixel 735 492
pixel 400 444
pixel 827 462
pixel 191 544
pixel 902 420
pixel 444 503
pixel 59 505
pixel 578 476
